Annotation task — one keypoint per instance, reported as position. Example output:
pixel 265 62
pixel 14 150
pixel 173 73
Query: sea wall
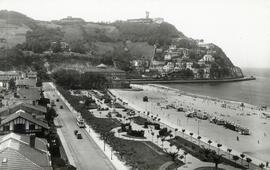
pixel 152 81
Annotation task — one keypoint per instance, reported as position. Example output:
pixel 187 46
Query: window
pixel 32 127
pixel 6 128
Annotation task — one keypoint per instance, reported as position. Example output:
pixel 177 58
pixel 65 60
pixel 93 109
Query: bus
pixel 80 122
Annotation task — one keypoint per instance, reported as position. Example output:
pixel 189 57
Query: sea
pixel 255 92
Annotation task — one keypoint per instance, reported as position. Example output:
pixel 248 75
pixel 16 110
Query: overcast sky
pixel 240 27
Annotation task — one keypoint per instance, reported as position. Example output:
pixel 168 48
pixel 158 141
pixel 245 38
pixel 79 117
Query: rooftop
pixel 5 111
pixel 29 93
pixel 16 153
pixel 26 116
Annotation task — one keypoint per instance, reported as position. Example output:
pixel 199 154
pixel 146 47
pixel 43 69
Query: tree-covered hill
pixel 112 43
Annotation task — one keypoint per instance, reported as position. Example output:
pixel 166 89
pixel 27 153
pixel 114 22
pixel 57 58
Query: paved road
pixel 85 152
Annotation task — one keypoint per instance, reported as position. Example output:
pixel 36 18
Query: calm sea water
pixel 256 92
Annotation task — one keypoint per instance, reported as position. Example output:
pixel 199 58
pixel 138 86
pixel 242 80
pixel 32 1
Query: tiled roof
pixel 16 161
pixel 26 116
pixel 26 82
pixel 23 106
pixel 30 93
pixel 4 78
pixel 20 155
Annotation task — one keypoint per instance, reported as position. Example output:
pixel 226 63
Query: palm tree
pixel 261 165
pixel 242 157
pixel 229 150
pixel 185 153
pixel 248 161
pixel 183 130
pixel 178 148
pixel 175 130
pixel 157 138
pixel 217 159
pixel 162 140
pixel 171 144
pixel 199 140
pixel 219 145
pixel 191 134
pixel 152 136
pixel 209 142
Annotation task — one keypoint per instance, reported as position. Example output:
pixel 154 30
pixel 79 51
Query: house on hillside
pixel 189 65
pixel 206 72
pixel 208 58
pixel 24 152
pixel 6 76
pixel 32 75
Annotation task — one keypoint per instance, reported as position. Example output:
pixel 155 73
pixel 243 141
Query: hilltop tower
pixel 147 14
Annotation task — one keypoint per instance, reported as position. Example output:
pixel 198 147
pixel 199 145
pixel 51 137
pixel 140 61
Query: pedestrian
pixel 237 138
pixel 258 142
pixel 267 163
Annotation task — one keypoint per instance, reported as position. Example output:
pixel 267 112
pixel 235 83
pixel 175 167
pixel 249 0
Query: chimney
pixel 32 140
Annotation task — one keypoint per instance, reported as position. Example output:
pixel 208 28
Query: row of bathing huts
pixel 218 121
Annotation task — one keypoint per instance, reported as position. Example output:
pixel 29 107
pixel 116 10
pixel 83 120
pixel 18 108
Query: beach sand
pixel 256 145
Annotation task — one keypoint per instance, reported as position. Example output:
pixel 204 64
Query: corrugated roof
pixel 26 116
pixel 20 155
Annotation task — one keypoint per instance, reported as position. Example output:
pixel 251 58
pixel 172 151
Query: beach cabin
pixel 191 114
pixel 245 131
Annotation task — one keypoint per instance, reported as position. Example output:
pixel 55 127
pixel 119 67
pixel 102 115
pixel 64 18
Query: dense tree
pixel 72 79
pixel 39 39
pixel 78 46
pixel 12 84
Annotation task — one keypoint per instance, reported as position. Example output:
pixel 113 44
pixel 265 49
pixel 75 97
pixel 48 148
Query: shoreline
pixel 156 81
pixel 206 97
pixel 162 95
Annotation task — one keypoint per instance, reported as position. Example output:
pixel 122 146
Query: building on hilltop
pixel 147 19
pixel 70 19
pixel 24 152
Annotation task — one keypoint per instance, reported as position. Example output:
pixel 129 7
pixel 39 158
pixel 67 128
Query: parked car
pixel 57 100
pixel 75 132
pixel 61 107
pixel 79 136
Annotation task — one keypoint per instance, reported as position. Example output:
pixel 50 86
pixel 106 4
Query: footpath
pixel 107 150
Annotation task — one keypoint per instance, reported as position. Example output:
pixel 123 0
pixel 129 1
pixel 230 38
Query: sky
pixel 240 27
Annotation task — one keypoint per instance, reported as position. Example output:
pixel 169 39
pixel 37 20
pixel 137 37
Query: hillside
pixel 118 43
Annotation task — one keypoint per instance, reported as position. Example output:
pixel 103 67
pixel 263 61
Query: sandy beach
pixel 255 145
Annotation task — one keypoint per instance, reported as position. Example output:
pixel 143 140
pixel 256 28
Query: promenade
pixel 83 153
pixel 171 120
